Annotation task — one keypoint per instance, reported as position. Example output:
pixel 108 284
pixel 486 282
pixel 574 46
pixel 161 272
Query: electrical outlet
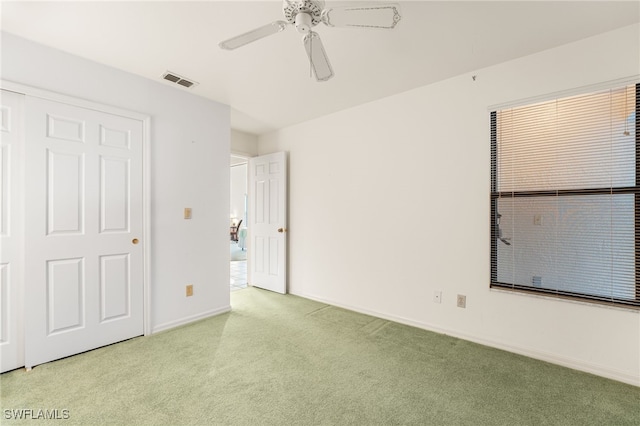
pixel 461 301
pixel 437 296
pixel 189 290
pixel 537 220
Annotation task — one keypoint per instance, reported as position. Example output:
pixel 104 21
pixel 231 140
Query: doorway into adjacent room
pixel 238 223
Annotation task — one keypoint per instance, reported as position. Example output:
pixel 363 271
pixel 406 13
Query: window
pixel 565 198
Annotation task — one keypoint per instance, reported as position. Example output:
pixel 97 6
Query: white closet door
pixel 11 230
pixel 84 222
pixel 268 221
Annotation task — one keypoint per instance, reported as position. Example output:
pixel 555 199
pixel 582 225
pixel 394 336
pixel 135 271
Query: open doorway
pixel 238 222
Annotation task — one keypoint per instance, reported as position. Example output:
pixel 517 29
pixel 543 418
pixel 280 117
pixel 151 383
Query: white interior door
pixel 11 231
pixel 268 222
pixel 84 222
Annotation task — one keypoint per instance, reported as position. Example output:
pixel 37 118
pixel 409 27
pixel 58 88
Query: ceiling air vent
pixel 185 83
pixel 175 78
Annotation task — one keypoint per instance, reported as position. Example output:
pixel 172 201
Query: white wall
pixel 353 173
pixel 189 168
pixel 244 144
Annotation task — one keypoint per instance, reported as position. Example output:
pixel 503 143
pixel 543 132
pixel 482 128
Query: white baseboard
pixel 575 364
pixel 190 319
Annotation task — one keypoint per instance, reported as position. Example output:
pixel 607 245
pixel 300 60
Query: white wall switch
pixel 461 301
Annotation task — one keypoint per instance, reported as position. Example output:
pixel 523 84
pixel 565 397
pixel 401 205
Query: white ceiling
pixel 268 84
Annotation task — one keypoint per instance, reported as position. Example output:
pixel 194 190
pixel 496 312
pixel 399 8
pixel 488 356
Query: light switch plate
pixel 461 301
pixel 187 212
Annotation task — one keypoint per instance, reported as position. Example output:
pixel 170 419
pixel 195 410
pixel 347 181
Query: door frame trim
pixel 146 173
pixel 245 156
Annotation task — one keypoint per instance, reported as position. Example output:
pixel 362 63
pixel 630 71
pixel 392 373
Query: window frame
pixel 495 195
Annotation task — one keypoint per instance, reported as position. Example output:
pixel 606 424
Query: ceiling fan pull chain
pixel 310 56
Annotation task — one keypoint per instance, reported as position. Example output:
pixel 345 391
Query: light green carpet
pixel 284 360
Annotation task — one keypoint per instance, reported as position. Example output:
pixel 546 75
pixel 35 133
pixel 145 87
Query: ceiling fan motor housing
pixel 303 23
pixel 304 14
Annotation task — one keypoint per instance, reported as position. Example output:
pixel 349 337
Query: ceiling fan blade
pixel 365 16
pixel 251 36
pixel 317 56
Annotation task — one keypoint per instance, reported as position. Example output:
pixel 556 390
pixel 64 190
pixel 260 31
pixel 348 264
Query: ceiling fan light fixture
pixel 291 9
pixel 303 23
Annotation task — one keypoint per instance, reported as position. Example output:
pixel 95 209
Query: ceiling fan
pixel 306 14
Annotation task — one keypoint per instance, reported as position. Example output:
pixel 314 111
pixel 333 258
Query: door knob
pixel 281 230
pixel 135 241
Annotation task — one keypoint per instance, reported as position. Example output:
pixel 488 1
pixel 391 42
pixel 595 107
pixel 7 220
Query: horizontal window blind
pixel 565 197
